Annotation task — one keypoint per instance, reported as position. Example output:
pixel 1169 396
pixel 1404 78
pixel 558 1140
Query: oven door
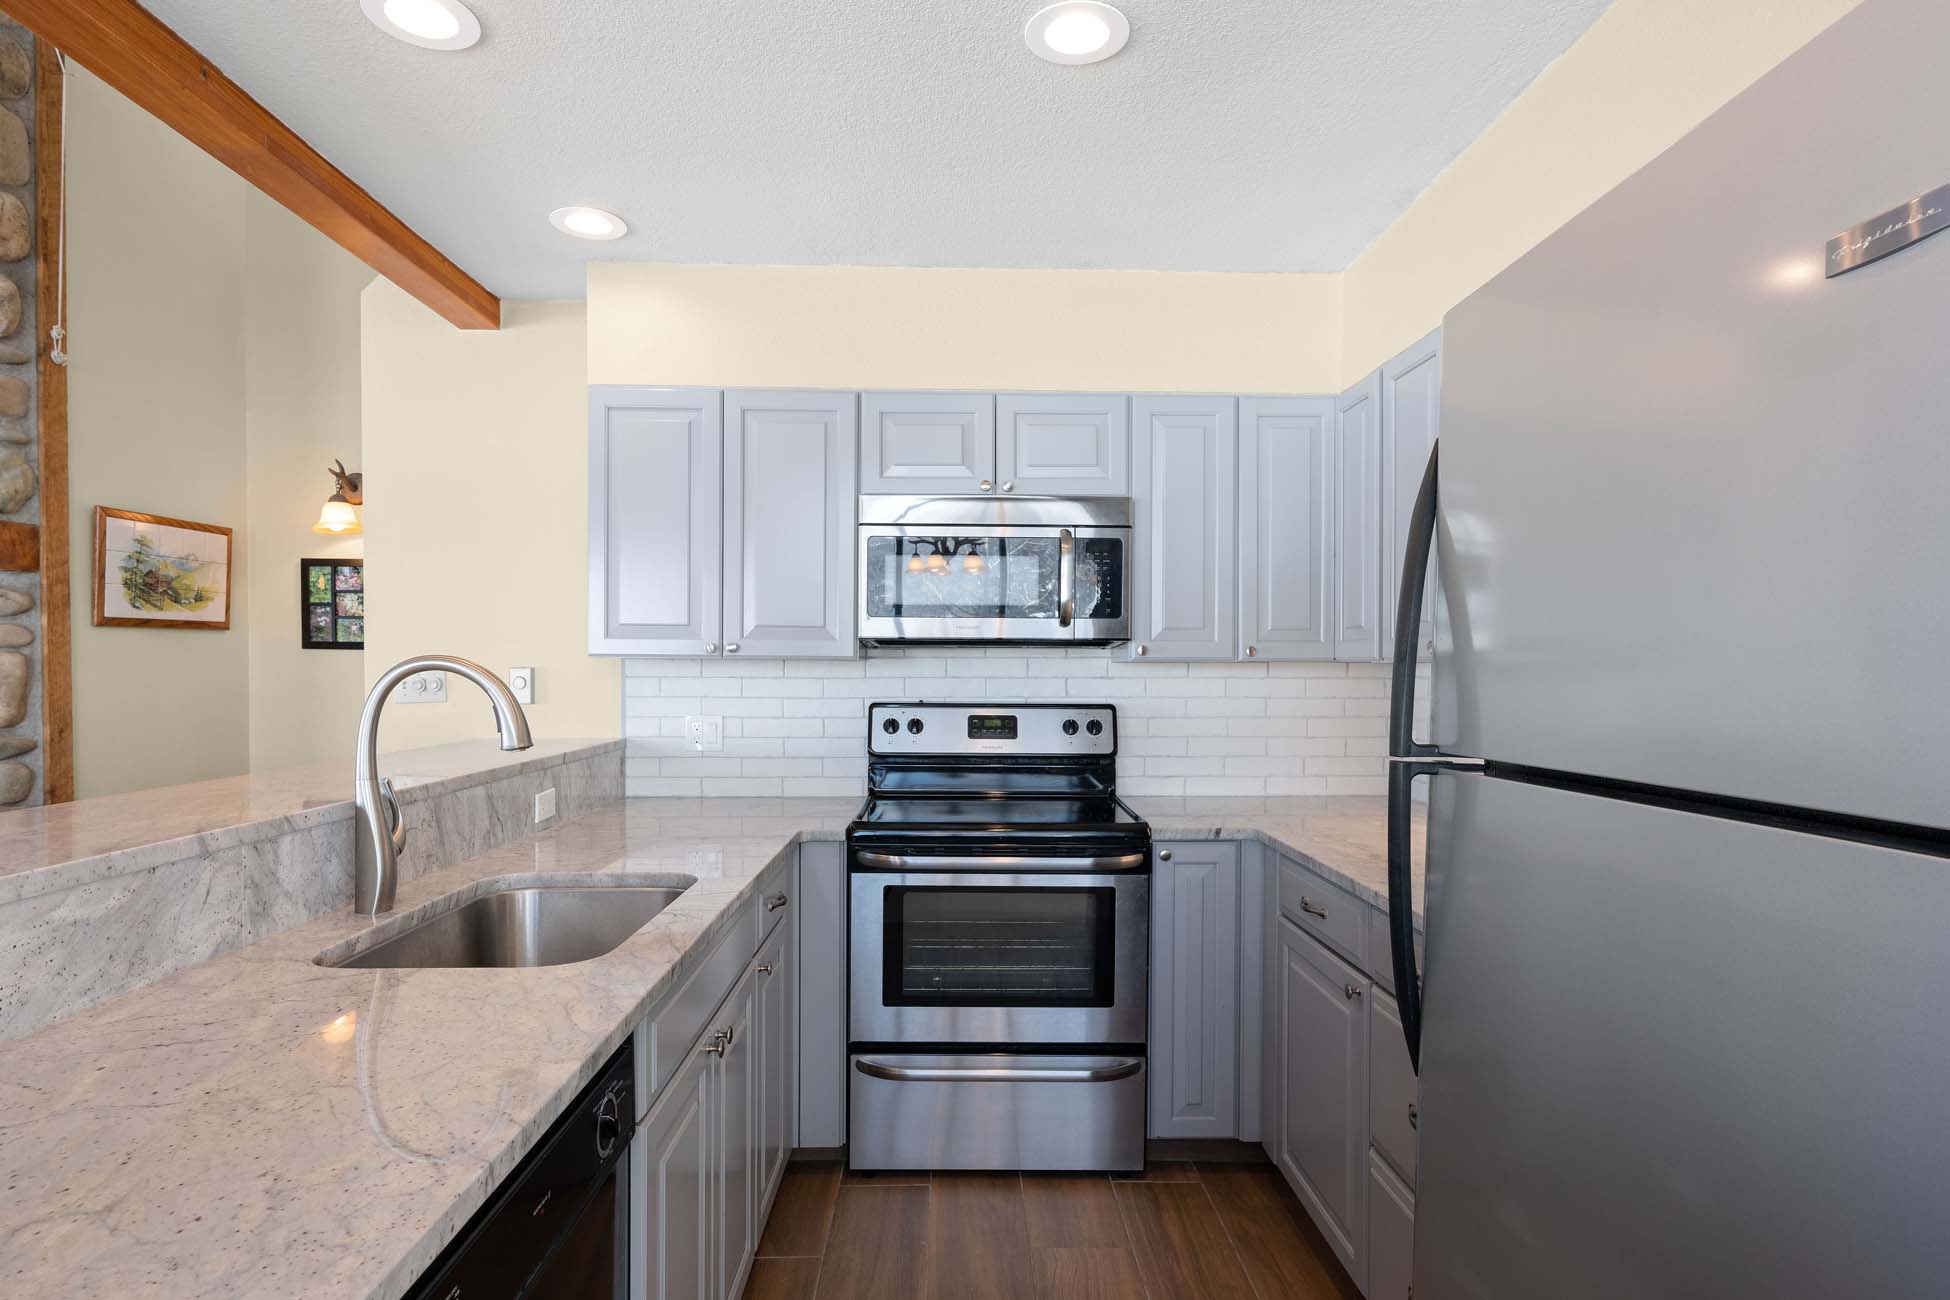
pixel 993 583
pixel 1021 957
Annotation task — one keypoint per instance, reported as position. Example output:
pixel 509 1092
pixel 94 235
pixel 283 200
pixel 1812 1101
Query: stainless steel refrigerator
pixel 1683 1031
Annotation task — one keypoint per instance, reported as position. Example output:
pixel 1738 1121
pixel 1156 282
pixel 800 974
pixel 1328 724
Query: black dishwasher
pixel 558 1227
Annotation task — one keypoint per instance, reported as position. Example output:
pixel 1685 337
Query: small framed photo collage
pixel 332 603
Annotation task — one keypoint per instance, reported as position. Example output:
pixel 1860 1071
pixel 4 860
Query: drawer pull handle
pixel 775 902
pixel 1414 1118
pixel 1353 991
pixel 1307 906
pixel 719 1042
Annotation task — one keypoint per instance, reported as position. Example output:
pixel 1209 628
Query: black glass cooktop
pixel 999 814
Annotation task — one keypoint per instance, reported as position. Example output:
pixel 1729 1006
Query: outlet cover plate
pixel 545 805
pixel 522 682
pixel 704 734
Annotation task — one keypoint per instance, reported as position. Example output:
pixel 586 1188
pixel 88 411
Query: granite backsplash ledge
pixel 103 896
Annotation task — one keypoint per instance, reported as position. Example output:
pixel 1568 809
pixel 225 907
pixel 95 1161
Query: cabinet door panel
pixel 1391 1234
pixel 1055 444
pixel 821 911
pixel 676 1183
pixel 1411 402
pixel 1286 527
pixel 789 504
pixel 927 444
pixel 1391 1088
pixel 777 1086
pixel 654 473
pixel 1185 455
pixel 1194 991
pixel 1357 463
pixel 1323 1138
pixel 737 1139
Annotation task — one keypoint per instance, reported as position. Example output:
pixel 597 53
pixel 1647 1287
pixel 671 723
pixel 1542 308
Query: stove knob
pixel 914 726
pixel 891 726
pixel 1069 726
pixel 1096 728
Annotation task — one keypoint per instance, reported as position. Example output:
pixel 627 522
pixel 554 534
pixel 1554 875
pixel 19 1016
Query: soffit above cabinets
pixel 1260 135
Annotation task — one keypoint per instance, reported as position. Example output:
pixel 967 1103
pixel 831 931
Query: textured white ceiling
pixel 1249 135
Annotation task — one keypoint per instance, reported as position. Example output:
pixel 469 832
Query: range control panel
pixel 1025 729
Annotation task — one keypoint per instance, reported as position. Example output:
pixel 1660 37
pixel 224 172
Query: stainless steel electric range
pixel 1000 943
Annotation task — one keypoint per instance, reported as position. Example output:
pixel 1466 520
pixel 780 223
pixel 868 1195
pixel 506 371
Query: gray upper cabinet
pixel 1321 1144
pixel 1054 444
pixel 1184 458
pixel 1357 566
pixel 1194 1043
pixel 653 520
pixel 927 444
pixel 1286 528
pixel 789 492
pixel 1411 402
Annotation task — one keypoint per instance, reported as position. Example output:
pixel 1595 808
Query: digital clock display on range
pixel 991 726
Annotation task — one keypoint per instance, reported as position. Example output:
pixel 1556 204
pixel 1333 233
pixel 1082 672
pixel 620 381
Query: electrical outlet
pixel 545 805
pixel 705 734
pixel 423 688
pixel 707 860
pixel 522 682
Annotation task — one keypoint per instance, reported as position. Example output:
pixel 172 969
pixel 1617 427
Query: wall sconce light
pixel 338 516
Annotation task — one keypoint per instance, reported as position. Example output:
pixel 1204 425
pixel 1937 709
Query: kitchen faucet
pixel 377 826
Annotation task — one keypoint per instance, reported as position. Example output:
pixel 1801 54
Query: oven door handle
pixel 1109 1072
pixel 997 865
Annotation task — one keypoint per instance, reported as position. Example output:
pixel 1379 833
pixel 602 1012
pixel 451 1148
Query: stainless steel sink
pixel 546 926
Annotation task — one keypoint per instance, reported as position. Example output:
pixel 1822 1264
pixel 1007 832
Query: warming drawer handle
pixel 1109 1072
pixel 1001 865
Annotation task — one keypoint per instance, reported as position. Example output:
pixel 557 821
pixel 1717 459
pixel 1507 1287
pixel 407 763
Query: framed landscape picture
pixel 154 571
pixel 332 604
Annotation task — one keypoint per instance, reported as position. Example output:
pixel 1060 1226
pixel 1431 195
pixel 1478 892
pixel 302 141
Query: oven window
pixel 996 946
pixel 963 577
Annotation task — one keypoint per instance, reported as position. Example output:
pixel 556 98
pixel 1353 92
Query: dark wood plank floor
pixel 1181 1230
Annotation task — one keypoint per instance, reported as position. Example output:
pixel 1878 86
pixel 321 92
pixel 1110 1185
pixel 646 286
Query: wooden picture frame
pixel 332 603
pixel 159 564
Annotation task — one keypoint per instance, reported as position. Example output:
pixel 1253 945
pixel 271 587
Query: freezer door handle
pixel 1408 760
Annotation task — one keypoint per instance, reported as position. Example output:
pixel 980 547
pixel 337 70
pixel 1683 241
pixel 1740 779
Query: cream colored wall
pixel 156 424
pixel 903 327
pixel 1645 74
pixel 477 539
pixel 301 408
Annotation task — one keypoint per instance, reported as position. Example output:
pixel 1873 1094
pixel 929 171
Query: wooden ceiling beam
pixel 133 51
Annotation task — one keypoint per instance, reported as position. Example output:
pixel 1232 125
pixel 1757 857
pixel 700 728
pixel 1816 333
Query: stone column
pixel 20 709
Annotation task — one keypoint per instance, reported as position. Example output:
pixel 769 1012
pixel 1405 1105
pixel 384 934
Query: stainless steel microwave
pixel 1020 569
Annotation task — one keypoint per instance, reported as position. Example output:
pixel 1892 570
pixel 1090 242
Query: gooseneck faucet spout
pixel 380 833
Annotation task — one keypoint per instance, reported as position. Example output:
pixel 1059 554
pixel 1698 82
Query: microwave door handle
pixel 1066 579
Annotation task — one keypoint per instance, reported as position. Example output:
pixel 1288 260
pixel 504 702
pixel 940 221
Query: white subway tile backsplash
pixel 798 727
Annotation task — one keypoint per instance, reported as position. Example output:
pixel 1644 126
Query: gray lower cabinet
pixel 1357 514
pixel 1184 462
pixel 790 489
pixel 1194 1039
pixel 927 444
pixel 1391 1233
pixel 737 1139
pixel 1063 444
pixel 676 1192
pixel 1411 401
pixel 1287 531
pixel 655 466
pixel 1321 1140
pixel 1391 1087
pixel 777 1036
pixel 822 922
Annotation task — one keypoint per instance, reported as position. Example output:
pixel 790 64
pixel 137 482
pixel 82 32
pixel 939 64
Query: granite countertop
pixel 260 1125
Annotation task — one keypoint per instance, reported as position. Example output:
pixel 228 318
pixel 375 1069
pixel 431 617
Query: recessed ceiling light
pixel 588 223
pixel 429 24
pixel 1077 31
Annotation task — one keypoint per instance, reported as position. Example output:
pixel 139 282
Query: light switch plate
pixel 704 734
pixel 522 682
pixel 545 805
pixel 423 688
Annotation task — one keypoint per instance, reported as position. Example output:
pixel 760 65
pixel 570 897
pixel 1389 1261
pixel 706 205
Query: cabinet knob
pixel 1307 906
pixel 1010 486
pixel 1252 652
pixel 719 1041
pixel 1353 991
pixel 1143 650
pixel 710 647
pixel 763 968
pixel 1164 855
pixel 1414 1116
pixel 731 647
pixel 775 902
pixel 987 486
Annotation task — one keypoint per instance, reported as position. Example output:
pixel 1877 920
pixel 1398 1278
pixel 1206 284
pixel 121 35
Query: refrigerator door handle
pixel 1408 759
